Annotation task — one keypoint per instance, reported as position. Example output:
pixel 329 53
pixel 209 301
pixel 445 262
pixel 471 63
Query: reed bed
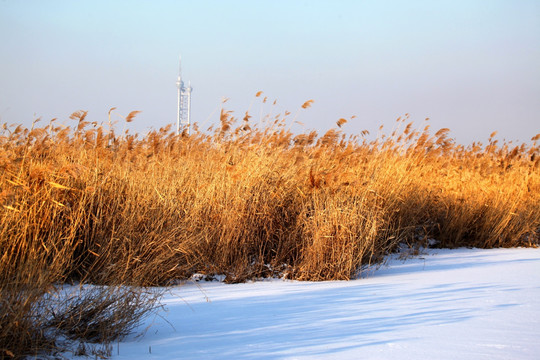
pixel 244 199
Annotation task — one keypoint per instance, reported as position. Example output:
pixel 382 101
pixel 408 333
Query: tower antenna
pixel 183 110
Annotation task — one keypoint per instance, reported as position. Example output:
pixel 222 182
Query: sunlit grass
pixel 246 199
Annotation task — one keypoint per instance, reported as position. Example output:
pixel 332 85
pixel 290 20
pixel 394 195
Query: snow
pixel 442 304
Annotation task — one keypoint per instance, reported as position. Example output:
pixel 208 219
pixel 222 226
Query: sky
pixel 471 66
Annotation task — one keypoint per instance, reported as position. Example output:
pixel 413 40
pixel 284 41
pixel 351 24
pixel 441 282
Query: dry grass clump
pixel 246 199
pixel 37 323
pixel 22 330
pixel 100 314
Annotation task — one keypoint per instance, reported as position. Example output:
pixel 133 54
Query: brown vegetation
pixel 83 203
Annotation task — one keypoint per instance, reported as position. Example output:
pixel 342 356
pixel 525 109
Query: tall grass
pixel 246 199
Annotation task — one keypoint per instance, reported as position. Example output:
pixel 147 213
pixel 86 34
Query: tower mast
pixel 183 110
pixel 179 85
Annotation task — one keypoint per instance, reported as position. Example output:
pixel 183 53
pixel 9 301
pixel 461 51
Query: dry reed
pixel 82 203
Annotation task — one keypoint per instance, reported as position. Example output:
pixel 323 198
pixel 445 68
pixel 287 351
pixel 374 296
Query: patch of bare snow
pixel 442 304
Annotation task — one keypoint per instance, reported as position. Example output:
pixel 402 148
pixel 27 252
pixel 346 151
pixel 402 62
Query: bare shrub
pixel 102 314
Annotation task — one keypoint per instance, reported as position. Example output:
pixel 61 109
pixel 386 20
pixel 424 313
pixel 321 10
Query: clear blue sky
pixel 472 66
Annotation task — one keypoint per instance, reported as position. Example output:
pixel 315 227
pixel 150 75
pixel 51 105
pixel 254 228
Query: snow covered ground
pixel 445 304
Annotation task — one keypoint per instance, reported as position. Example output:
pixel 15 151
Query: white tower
pixel 183 116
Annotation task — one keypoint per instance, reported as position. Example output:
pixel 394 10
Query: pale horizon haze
pixel 471 66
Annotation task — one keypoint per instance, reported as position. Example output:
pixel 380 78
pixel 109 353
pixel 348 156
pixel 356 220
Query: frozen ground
pixel 445 304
